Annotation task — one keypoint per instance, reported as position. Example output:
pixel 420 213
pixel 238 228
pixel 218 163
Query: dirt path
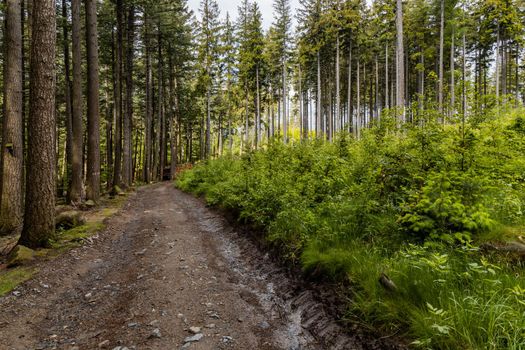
pixel 164 264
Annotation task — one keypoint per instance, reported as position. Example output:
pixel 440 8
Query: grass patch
pixel 11 278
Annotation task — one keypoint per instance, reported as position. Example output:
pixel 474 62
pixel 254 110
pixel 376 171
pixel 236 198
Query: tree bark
pixel 75 192
pixel 118 99
pixel 258 111
pixel 67 95
pixel 400 63
pixel 127 122
pixel 93 116
pixel 12 152
pixel 39 214
pixel 174 118
pixel 357 124
pixel 387 101
pixel 452 79
pixel 285 109
pixel 349 103
pixel 337 89
pixel 149 104
pixel 318 115
pixel 441 68
pixel 161 139
pixel 497 66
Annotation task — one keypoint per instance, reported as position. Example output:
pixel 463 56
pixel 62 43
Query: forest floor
pixel 169 273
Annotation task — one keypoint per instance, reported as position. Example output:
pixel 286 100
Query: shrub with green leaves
pixel 411 204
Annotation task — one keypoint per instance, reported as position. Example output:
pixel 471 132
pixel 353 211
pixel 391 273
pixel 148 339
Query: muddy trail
pixel 169 273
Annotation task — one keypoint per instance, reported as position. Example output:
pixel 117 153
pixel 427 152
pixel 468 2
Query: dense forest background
pixel 368 127
pixel 143 86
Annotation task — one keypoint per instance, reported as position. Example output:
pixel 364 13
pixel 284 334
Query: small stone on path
pixel 195 330
pixel 155 333
pixel 194 338
pixel 103 344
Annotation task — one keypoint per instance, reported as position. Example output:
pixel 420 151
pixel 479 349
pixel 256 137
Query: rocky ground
pixel 169 273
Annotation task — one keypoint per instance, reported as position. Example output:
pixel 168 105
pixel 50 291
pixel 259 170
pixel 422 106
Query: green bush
pixel 411 204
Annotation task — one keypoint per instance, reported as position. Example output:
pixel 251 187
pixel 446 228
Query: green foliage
pixel 412 204
pixel 449 206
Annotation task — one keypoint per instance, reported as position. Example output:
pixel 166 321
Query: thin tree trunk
pixel 110 113
pixel 349 96
pixel 93 117
pixel 149 104
pixel 497 66
pixel 400 63
pixel 285 110
pixel 67 95
pixel 387 101
pixel 464 76
pixel 12 152
pixel 77 145
pixel 127 122
pixel 174 118
pixel 441 68
pixel 357 132
pixel 246 120
pixel 208 114
pixel 39 214
pixel 161 140
pixel 318 115
pixel 337 88
pixel 118 98
pixel 258 111
pixel 452 78
pixel 422 82
pixel 377 104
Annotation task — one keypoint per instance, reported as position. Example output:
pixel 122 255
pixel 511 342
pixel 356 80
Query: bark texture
pixel 12 153
pixel 39 224
pixel 93 116
pixel 75 191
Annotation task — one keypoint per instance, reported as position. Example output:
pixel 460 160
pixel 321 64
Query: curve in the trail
pixel 169 273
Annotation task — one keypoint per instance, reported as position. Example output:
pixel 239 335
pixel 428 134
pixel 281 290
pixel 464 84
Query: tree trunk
pixel 400 64
pixel 452 79
pixel 285 110
pixel 246 120
pixel 349 97
pixel 118 99
pixel 39 214
pixel 174 118
pixel 387 101
pixel 377 104
pixel 67 96
pixel 357 122
pixel 75 192
pixel 318 115
pixel 208 114
pixel 149 104
pixel 93 117
pixel 127 122
pixel 161 115
pixel 337 89
pixel 12 152
pixel 441 68
pixel 258 111
pixel 497 66
pixel 464 76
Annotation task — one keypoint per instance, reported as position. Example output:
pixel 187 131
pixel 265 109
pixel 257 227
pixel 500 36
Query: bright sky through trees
pixel 232 5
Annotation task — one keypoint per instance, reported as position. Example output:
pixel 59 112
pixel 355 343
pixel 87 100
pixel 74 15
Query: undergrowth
pixel 413 205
